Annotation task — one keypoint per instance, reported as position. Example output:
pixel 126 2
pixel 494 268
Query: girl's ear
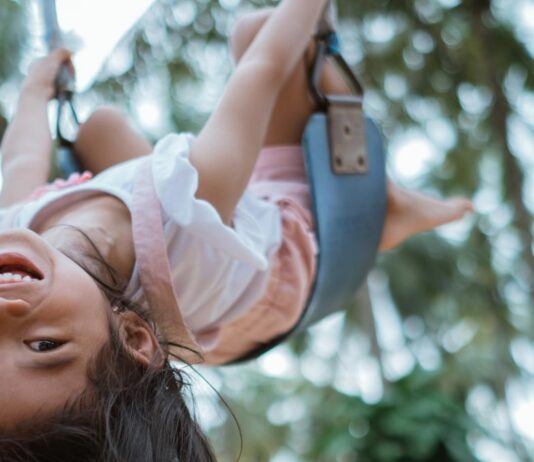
pixel 140 340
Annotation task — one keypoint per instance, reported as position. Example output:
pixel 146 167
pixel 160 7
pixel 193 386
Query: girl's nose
pixel 13 308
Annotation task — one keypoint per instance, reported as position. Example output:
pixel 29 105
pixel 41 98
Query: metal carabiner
pixel 328 45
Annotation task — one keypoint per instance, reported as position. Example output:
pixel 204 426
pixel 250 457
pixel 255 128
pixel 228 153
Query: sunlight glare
pixel 99 25
pixel 412 155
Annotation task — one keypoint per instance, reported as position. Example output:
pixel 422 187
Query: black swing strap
pixel 64 90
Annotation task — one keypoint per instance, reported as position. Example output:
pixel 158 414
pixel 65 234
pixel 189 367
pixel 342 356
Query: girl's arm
pixel 27 144
pixel 226 149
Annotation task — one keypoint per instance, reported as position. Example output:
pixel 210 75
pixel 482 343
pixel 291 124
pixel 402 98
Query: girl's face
pixel 53 321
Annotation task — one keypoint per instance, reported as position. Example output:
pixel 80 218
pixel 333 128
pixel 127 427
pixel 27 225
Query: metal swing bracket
pixel 346 122
pixel 346 126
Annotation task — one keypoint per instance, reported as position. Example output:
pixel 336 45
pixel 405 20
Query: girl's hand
pixel 41 79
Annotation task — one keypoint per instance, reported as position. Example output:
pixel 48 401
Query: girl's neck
pixel 105 220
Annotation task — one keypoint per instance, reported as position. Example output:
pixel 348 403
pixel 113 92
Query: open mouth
pixel 16 268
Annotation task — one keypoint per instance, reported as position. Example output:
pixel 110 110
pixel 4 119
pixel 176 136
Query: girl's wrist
pixel 36 92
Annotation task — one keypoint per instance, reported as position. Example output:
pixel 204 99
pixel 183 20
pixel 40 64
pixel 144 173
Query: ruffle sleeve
pixel 256 226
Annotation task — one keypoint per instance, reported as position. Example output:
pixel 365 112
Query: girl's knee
pixel 104 118
pixel 102 124
pixel 106 139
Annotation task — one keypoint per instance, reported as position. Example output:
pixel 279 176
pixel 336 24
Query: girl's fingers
pixel 43 72
pixel 63 56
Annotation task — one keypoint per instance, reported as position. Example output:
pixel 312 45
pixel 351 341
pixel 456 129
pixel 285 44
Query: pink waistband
pixel 280 163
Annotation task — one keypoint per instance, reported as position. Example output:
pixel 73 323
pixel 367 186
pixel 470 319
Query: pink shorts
pixel 279 177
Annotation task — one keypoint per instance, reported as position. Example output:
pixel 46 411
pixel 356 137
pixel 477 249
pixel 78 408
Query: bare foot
pixel 410 213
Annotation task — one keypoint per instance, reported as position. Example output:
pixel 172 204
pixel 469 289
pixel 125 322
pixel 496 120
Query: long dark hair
pixel 128 412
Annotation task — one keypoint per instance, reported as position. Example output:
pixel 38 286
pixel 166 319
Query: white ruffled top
pixel 218 271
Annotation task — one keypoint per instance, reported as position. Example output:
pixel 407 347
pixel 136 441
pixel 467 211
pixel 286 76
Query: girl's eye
pixel 42 346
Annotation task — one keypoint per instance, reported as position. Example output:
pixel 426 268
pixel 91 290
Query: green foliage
pixel 13 35
pixel 416 420
pixel 13 32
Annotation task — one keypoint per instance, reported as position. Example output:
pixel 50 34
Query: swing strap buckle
pixel 346 124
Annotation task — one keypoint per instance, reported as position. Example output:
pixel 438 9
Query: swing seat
pixel 349 212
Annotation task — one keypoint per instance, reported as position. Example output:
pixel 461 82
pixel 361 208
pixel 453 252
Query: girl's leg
pixel 294 105
pixel 408 212
pixel 107 139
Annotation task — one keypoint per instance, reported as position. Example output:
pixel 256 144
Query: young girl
pixel 103 279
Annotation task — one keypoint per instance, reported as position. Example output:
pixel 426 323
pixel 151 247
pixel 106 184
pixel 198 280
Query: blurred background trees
pixel 13 32
pixel 435 362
